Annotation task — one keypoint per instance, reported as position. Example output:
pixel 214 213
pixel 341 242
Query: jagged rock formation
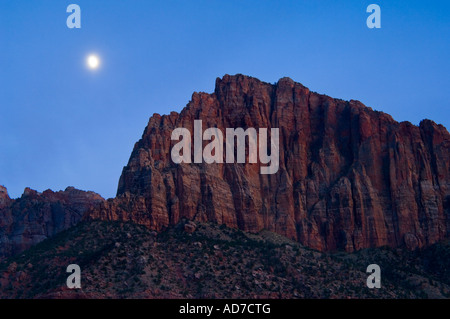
pixel 349 177
pixel 35 216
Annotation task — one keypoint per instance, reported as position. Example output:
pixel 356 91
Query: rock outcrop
pixel 36 216
pixel 4 197
pixel 349 177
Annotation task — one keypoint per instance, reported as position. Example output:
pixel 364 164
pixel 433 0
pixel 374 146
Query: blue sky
pixel 64 125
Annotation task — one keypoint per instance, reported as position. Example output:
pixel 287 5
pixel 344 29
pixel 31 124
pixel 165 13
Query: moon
pixel 93 61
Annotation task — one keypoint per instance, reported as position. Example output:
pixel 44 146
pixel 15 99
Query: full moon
pixel 93 61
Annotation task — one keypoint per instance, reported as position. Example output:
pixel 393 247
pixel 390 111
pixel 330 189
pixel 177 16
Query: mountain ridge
pixel 350 177
pixel 125 260
pixel 36 216
pixel 388 182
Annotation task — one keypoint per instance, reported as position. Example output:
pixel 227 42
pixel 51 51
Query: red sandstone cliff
pixel 349 177
pixel 36 216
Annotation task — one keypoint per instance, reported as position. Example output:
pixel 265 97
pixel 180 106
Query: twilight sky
pixel 62 124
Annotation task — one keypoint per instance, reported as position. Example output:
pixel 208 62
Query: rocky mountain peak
pixel 4 197
pixel 349 177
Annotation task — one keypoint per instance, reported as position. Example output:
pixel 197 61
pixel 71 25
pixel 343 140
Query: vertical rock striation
pixel 349 177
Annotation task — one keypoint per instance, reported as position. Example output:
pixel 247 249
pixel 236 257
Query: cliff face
pixel 36 216
pixel 349 177
pixel 4 197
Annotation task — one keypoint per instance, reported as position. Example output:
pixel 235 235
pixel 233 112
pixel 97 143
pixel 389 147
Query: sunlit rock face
pixel 349 177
